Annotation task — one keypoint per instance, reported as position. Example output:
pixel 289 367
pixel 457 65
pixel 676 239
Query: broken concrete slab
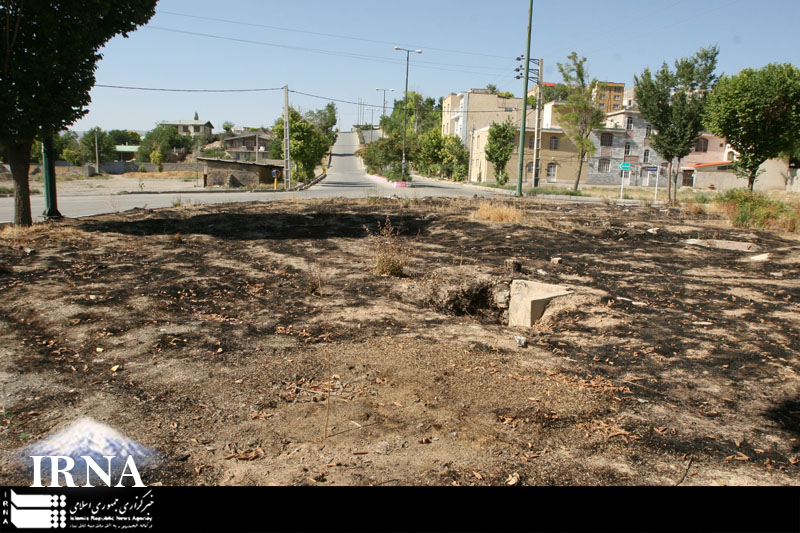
pixel 724 245
pixel 529 300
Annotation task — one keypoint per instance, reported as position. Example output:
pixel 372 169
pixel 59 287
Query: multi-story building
pixel 467 112
pixel 625 139
pixel 558 158
pixel 249 147
pixel 609 96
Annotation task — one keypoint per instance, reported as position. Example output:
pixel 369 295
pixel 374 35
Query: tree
pixel 579 116
pixel 505 94
pixel 454 156
pixel 492 88
pixel 550 93
pixel 165 139
pixel 227 126
pixel 674 103
pixel 758 112
pixel 325 120
pixel 48 54
pixel 106 148
pixel 124 137
pixel 307 144
pixel 500 147
pixel 424 114
pixel 196 116
pixel 429 156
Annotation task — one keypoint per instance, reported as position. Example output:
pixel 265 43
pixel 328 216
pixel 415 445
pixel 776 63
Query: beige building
pixel 467 112
pixel 190 127
pixel 558 159
pixel 609 96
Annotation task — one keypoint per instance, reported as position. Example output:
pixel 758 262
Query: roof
pixel 711 164
pixel 188 122
pixel 546 84
pixel 260 134
pixel 126 148
pixel 261 163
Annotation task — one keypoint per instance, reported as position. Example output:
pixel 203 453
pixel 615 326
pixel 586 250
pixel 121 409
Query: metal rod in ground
pixel 49 164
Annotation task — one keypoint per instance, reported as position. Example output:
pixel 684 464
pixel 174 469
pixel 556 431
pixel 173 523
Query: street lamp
pixel 405 105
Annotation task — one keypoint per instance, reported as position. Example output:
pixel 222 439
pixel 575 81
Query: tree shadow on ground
pixel 276 226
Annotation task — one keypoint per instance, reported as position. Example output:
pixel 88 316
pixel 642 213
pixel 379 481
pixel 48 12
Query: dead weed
pixel 498 212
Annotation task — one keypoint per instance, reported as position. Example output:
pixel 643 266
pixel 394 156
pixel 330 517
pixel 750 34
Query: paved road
pixel 346 178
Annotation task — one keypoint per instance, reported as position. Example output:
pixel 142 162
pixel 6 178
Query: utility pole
pixel 287 158
pixel 525 104
pixel 96 152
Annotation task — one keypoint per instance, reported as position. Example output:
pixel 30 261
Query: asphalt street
pixel 346 178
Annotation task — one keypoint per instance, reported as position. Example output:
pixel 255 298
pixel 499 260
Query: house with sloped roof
pixel 191 128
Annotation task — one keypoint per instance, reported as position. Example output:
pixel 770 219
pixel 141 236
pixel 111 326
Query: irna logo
pixel 105 476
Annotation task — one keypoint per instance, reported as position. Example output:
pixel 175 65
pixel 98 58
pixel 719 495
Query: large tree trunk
pixel 580 169
pixel 675 190
pixel 19 155
pixel 751 180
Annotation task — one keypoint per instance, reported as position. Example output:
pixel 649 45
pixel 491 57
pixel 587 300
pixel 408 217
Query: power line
pixel 338 36
pixel 189 90
pixel 365 57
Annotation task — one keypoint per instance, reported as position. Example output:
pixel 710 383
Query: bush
pixel 556 190
pixel 498 212
pixel 747 209
pixel 391 254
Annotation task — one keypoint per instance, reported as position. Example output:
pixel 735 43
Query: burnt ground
pixel 213 334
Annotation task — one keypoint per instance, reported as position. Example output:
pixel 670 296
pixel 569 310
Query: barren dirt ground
pixel 214 333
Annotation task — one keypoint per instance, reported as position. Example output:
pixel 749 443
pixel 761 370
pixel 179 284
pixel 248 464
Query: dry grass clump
pixel 390 252
pixel 693 209
pixel 10 232
pixel 498 212
pixel 747 209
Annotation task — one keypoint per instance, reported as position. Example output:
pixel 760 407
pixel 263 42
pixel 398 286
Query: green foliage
pixel 579 116
pixel 227 126
pixel 325 120
pixel 214 153
pixel 674 103
pixel 36 152
pixel 748 209
pixel 307 144
pixel 429 157
pixel 455 157
pixel 505 94
pixel 124 137
pixel 492 88
pixel 555 93
pixel 500 147
pixel 66 141
pixel 106 148
pixel 758 112
pixel 555 191
pixel 47 61
pixel 424 114
pixel 73 157
pixel 384 157
pixel 164 139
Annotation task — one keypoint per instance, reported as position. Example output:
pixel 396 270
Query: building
pixel 609 96
pixel 625 139
pixel 558 158
pixel 126 152
pixel 467 112
pixel 190 127
pixel 249 147
pixel 226 173
pixel 776 176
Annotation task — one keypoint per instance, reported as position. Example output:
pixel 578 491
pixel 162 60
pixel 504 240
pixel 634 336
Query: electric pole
pixel 96 152
pixel 525 104
pixel 287 158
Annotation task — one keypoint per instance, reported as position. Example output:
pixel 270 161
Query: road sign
pixel 650 169
pixel 624 166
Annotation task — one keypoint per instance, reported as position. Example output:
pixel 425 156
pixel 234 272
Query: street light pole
pixel 405 106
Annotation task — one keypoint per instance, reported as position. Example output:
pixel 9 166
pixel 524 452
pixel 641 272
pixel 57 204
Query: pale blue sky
pixel 465 44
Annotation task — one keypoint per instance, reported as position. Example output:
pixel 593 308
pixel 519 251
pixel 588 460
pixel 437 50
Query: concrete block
pixel 724 245
pixel 529 300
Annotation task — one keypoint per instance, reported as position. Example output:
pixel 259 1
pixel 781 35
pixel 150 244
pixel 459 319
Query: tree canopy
pixel 674 103
pixel 48 55
pixel 499 148
pixel 162 139
pixel 758 112
pixel 579 116
pixel 307 141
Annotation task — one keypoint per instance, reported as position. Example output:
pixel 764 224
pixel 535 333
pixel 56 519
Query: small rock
pixel 760 257
pixel 541 272
pixel 556 260
pixel 776 274
pixel 521 341
pixel 653 231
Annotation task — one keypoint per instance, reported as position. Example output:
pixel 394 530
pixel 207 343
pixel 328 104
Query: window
pixel 663 170
pixel 616 107
pixel 554 143
pixel 532 142
pixel 731 156
pixel 607 139
pixel 617 97
pixel 627 148
pixel 648 131
pixel 629 124
pixel 604 165
pixel 701 146
pixel 646 156
pixel 625 175
pixel 529 168
pixel 601 106
pixel 552 168
pixel 617 89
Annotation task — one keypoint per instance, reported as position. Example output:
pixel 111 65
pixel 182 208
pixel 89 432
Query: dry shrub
pixel 391 253
pixel 11 232
pixel 498 212
pixel 693 209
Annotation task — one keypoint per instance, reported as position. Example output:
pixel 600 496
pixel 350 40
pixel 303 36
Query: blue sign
pixel 650 169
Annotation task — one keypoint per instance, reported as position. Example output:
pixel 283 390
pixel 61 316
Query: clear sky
pixel 344 50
